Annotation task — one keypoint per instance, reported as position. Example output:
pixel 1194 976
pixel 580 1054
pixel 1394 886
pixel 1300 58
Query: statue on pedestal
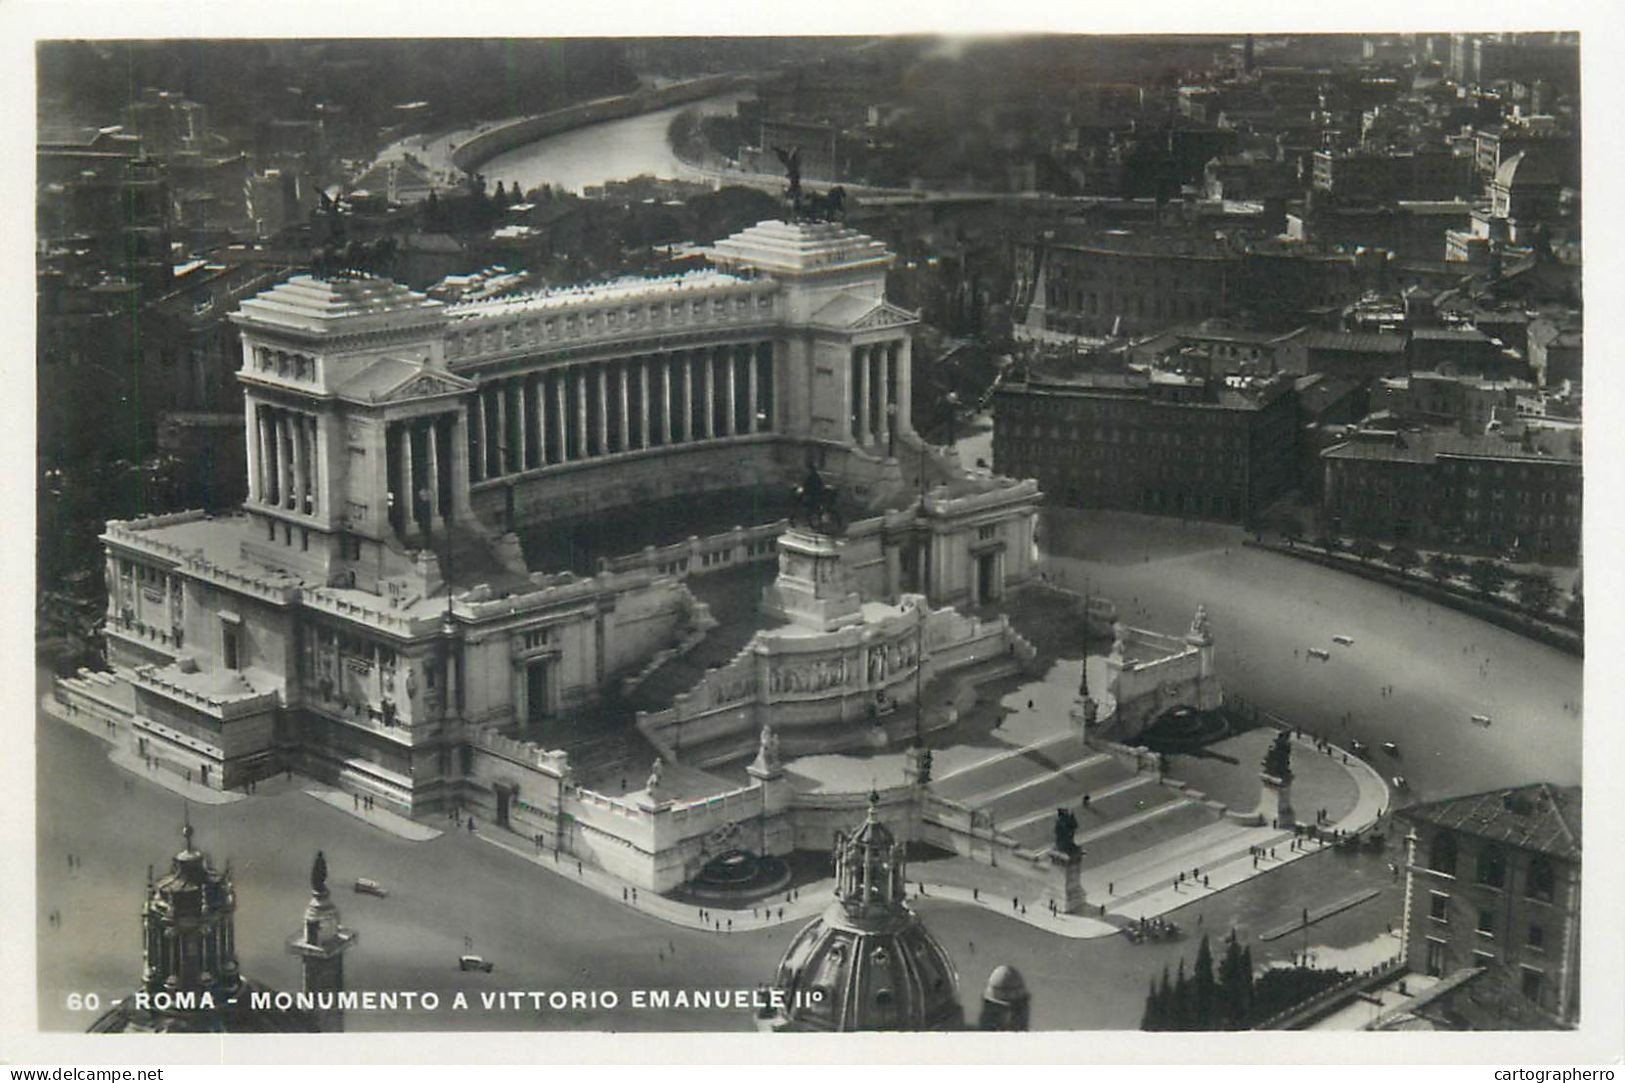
pixel 1200 634
pixel 767 752
pixel 1066 830
pixel 791 160
pixel 654 783
pixel 816 505
pixel 1278 759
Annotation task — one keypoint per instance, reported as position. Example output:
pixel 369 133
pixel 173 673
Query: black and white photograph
pixel 823 532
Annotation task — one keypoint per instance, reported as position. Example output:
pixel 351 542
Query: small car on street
pixel 1346 641
pixel 1320 652
pixel 1390 748
pixel 475 962
pixel 364 886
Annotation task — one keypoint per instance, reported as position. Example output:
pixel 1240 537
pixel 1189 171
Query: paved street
pixel 1444 666
pixel 543 931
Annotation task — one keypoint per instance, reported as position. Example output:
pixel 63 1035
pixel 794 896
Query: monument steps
pixel 1077 775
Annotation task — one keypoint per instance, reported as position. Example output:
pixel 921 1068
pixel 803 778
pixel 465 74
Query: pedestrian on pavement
pixel 623 895
pixel 355 801
pixel 1111 887
pixel 975 894
pixel 781 912
pixel 1204 882
pixel 634 894
pixel 730 925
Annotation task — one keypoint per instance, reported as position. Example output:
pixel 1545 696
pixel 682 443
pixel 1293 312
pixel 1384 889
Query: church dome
pixel 868 962
pixel 190 982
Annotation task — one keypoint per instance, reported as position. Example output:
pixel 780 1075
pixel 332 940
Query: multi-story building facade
pixel 1492 885
pixel 1159 442
pixel 1128 284
pixel 370 609
pixel 1493 492
pixel 1424 173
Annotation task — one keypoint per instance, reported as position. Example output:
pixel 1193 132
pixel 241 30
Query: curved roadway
pixel 1266 609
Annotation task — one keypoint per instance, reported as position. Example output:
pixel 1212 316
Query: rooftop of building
pixel 1532 445
pixel 1524 168
pixel 1539 817
pixel 623 289
pixel 1228 393
pixel 336 304
pixel 1355 341
pixel 800 248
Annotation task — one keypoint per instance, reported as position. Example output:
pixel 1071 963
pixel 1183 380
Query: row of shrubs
pixel 1535 591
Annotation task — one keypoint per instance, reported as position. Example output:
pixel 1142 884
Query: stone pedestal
pixel 1275 803
pixel 1068 870
pixel 814 587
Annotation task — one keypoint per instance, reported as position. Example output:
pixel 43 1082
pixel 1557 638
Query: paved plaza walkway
pixel 402 827
pixel 785 907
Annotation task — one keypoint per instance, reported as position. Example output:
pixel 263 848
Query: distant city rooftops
pixel 1533 445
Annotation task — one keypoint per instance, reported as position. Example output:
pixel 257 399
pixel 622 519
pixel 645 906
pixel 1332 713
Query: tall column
pixel 434 470
pixel 665 399
pixel 459 471
pixel 752 390
pixel 318 470
pixel 301 482
pixel 522 424
pixel 476 437
pixel 905 383
pixel 877 393
pixel 686 359
pixel 561 408
pixel 730 354
pixel 269 477
pixel 251 438
pixel 580 382
pixel 708 360
pixel 541 419
pixel 883 397
pixel 284 453
pixel 863 396
pixel 643 401
pixel 626 407
pixel 504 465
pixel 603 407
pixel 403 476
pixel 410 475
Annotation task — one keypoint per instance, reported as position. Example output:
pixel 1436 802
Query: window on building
pixel 1537 937
pixel 1438 906
pixel 1435 954
pixel 228 647
pixel 1442 853
pixel 1486 922
pixel 1530 983
pixel 1542 882
pixel 1492 866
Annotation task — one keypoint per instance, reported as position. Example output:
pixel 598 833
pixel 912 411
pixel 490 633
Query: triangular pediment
pixel 390 380
pixel 426 385
pixel 852 312
pixel 883 315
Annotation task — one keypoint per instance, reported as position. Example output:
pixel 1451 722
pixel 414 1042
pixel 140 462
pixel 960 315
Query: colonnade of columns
pixel 875 403
pixel 585 410
pixel 421 470
pixel 282 459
